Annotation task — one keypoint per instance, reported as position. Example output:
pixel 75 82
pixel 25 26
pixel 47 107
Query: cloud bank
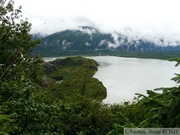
pixel 150 19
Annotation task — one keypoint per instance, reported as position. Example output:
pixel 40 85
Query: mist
pixel 150 19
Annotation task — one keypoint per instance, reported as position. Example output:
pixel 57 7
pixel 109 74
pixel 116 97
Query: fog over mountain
pixel 126 35
pixel 87 38
pixel 147 19
pixel 132 36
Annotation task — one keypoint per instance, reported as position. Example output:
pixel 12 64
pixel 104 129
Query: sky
pixel 145 18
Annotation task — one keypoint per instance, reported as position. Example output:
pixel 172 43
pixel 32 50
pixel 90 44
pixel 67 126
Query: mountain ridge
pixel 88 38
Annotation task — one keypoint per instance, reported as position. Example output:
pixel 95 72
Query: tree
pixel 15 43
pixel 163 108
pixel 19 71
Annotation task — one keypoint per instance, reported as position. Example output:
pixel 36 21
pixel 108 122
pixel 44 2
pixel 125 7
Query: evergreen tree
pixel 163 108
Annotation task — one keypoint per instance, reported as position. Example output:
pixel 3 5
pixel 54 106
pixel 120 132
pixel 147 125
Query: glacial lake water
pixel 123 77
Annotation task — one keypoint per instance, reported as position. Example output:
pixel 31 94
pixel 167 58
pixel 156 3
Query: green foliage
pixel 177 60
pixel 163 107
pixel 15 44
pixel 128 113
pixel 82 111
pixel 119 130
pixel 66 99
pixel 6 124
pixel 76 74
pixel 86 117
pixel 18 70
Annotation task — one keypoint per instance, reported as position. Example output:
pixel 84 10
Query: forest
pixel 61 97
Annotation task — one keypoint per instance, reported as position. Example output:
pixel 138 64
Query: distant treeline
pixel 136 54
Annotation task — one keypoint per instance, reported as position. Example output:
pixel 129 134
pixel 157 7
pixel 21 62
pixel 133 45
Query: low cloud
pixel 152 19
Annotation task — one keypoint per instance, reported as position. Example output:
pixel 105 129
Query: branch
pixel 1 77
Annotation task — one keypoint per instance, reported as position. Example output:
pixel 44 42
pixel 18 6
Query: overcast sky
pixel 149 18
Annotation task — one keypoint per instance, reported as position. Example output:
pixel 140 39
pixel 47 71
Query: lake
pixel 123 77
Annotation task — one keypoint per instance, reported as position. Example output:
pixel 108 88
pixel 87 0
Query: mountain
pixel 38 36
pixel 89 39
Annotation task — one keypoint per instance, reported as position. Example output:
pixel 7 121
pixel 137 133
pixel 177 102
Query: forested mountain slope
pixel 89 40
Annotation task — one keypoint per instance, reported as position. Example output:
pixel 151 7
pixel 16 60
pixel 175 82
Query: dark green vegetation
pixel 165 55
pixel 74 76
pixel 61 97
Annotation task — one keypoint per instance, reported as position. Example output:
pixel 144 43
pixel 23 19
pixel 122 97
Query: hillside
pixel 90 41
pixel 74 76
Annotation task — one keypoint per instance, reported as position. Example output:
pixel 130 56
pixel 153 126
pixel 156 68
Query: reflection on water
pixel 123 77
pixel 103 64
